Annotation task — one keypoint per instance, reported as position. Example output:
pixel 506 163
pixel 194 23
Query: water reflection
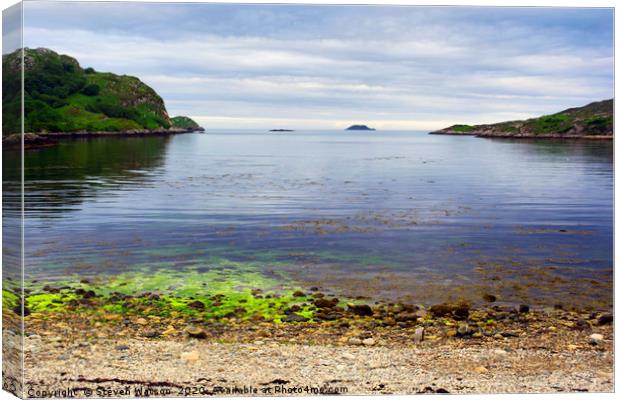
pixel 588 149
pixel 59 178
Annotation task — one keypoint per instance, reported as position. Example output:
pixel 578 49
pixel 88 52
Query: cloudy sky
pixel 269 66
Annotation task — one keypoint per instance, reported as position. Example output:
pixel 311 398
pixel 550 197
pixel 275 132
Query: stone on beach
pixel 368 342
pixel 418 336
pixel 360 309
pixel 190 356
pixel 196 332
pixel 605 319
pixel 322 302
pixel 595 339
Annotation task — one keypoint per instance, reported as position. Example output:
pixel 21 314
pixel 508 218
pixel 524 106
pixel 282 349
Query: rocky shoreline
pixel 35 140
pixel 512 135
pixel 372 347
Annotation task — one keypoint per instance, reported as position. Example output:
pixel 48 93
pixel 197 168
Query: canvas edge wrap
pixel 13 308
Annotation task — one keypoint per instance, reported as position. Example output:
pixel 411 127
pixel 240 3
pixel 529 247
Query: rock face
pixel 359 128
pixel 593 121
pixel 62 97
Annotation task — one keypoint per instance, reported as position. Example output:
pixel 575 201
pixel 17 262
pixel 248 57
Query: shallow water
pixel 382 214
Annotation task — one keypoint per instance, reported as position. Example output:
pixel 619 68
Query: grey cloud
pixel 323 63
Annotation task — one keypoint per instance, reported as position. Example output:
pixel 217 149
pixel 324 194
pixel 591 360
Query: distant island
pixel 63 99
pixel 281 130
pixel 593 121
pixel 359 128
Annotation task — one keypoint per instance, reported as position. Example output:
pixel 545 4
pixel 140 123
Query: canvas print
pixel 263 199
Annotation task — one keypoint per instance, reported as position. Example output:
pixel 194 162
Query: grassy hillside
pixel 61 96
pixel 594 119
pixel 184 123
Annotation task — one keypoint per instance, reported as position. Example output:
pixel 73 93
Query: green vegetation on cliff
pixel 61 96
pixel 462 128
pixel 184 123
pixel 595 119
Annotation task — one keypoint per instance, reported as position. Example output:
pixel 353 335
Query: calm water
pixel 386 214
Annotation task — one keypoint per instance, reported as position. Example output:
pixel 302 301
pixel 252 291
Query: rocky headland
pixel 62 99
pixel 593 121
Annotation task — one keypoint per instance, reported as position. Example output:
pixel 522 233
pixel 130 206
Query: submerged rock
pixel 50 289
pixel 295 318
pixel 440 310
pixel 524 308
pixel 459 311
pixel 489 297
pixel 406 317
pixel 197 304
pixel 331 316
pixel 292 309
pixel 360 309
pixel 325 303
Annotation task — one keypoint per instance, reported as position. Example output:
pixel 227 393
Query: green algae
pixel 41 302
pixel 9 300
pixel 218 291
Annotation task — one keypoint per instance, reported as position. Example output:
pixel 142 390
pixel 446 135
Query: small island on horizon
pixel 359 128
pixel 281 130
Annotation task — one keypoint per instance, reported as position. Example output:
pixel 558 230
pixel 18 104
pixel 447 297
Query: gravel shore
pixel 92 348
pixel 563 361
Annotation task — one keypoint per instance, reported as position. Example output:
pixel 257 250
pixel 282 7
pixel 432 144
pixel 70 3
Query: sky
pixel 327 67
